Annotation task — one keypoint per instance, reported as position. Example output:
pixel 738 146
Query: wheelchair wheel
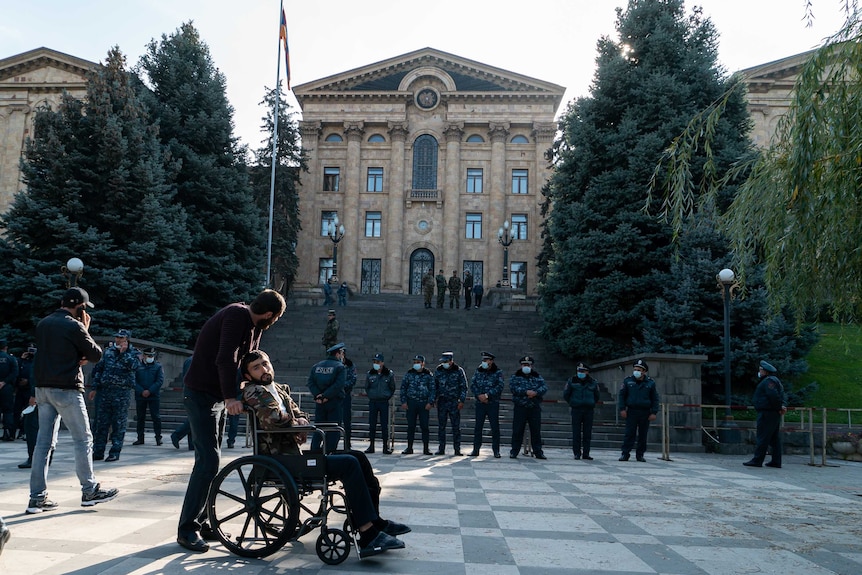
pixel 333 546
pixel 253 506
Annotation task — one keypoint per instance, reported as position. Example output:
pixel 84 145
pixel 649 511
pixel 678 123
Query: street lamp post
pixel 336 233
pixel 72 271
pixel 727 283
pixel 505 238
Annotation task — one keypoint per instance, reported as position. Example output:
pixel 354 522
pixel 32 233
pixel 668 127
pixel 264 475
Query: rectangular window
pixel 324 270
pixel 519 181
pixel 375 180
pixel 474 180
pixel 331 179
pixel 327 218
pixel 372 224
pixel 518 275
pixel 370 281
pixel 475 267
pixel 474 226
pixel 519 226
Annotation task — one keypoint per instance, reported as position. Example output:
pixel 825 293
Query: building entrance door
pixel 421 261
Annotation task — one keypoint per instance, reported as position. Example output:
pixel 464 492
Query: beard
pixel 266 378
pixel 265 324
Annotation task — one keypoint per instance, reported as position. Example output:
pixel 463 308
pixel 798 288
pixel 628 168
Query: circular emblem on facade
pixel 424 226
pixel 427 98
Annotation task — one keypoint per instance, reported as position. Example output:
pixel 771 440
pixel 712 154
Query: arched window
pixel 334 138
pixel 425 163
pixel 520 140
pixel 376 138
pixel 475 138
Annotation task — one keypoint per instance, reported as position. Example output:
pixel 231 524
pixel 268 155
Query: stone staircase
pixel 399 327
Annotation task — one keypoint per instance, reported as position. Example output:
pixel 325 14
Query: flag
pixel 282 35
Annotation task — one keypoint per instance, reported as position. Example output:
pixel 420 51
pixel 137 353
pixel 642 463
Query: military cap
pixel 487 355
pixel 419 357
pixel 767 367
pixel 123 333
pixel 447 356
pixel 641 364
pixel 330 312
pixel 526 359
pixel 583 367
pixel 151 351
pixel 378 357
pixel 335 348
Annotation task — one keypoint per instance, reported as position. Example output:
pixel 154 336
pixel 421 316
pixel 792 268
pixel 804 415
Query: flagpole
pixel 268 279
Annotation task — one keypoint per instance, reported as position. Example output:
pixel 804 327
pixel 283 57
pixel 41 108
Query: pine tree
pixel 291 163
pixel 98 187
pixel 228 230
pixel 608 260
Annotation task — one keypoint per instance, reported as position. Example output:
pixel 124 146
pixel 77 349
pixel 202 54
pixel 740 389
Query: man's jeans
pixel 69 405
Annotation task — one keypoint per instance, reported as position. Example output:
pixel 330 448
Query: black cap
pixel 526 359
pixel 334 348
pixel 419 357
pixel 378 357
pixel 767 367
pixel 74 297
pixel 641 364
pixel 487 355
pixel 583 367
pixel 447 356
pixel 151 351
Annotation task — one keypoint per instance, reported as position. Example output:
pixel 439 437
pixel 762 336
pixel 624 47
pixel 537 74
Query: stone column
pixel 498 196
pixel 306 251
pixel 394 226
pixel 354 222
pixel 452 224
pixel 11 145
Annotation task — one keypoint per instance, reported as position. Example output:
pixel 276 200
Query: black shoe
pixel 230 444
pixel 158 441
pixel 26 465
pixel 408 451
pixel 513 455
pixel 426 451
pixel 588 458
pixel 370 449
pixel 193 542
pixel 458 453
pixel 540 456
pixel 438 452
pixel 474 453
pixel 395 529
pixel 379 544
pixel 112 457
pixel 773 464
pixel 175 441
pixel 624 457
pixel 98 457
pixel 386 451
pixel 139 442
pixel 753 463
pixel 577 456
pixel 497 455
pixel 641 458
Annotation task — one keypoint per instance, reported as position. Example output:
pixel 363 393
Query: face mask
pixel 446 365
pixel 526 369
pixel 484 365
pixel 582 375
pixel 417 366
pixel 637 374
pixel 376 366
pixel 150 359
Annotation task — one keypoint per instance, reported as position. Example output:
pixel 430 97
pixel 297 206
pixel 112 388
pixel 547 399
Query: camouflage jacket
pixel 454 285
pixel 487 381
pixel 450 383
pixel 522 382
pixel 330 333
pixel 116 369
pixel 428 283
pixel 270 416
pixel 417 386
pixel 441 283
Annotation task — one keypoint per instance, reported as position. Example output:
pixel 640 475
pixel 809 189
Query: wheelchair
pixel 259 503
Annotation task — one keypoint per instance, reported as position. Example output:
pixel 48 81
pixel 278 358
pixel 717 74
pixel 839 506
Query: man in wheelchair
pixel 274 409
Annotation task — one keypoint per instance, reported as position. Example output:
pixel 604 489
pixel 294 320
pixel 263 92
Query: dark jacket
pixel 150 377
pixel 62 342
pixel 487 381
pixel 328 378
pixel 769 394
pixel 581 393
pixel 638 394
pixel 380 386
pixel 8 369
pixel 522 382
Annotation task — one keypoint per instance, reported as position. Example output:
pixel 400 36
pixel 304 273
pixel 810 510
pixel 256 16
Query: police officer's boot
pixel 425 450
pixel 140 440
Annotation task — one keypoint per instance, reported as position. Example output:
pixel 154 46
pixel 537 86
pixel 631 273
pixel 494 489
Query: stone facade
pixel 29 81
pixel 423 157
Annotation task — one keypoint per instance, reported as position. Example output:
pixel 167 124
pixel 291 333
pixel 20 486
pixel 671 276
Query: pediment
pixel 777 72
pixel 456 73
pixel 44 66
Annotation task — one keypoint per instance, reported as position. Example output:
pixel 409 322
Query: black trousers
pixel 637 424
pixel 522 417
pixel 768 436
pixel 491 412
pixel 582 425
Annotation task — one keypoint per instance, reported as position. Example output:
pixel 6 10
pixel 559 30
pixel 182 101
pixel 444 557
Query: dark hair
pixel 268 300
pixel 251 356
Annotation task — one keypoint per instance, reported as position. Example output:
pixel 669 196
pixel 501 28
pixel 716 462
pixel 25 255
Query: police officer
pixel 8 379
pixel 638 404
pixel 454 290
pixel 113 381
pixel 486 386
pixel 379 387
pixel 326 382
pixel 417 399
pixel 450 392
pixel 582 394
pixel 770 402
pixel 149 379
pixel 441 289
pixel 528 388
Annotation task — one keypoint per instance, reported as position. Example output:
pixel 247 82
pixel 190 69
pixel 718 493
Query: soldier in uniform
pixel 441 289
pixel 528 388
pixel 468 289
pixel 638 404
pixel 450 392
pixel 149 379
pixel 326 382
pixel 113 381
pixel 582 394
pixel 379 387
pixel 487 387
pixel 428 288
pixel 8 379
pixel 330 332
pixel 454 290
pixel 417 391
pixel 770 403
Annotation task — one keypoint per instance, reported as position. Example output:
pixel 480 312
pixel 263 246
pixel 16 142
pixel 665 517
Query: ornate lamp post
pixel 727 283
pixel 336 233
pixel 72 271
pixel 505 238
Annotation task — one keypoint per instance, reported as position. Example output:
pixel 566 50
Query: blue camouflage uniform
pixel 487 382
pixel 450 392
pixel 527 410
pixel 113 380
pixel 417 392
pixel 327 379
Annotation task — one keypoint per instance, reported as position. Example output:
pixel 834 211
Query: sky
pixel 550 40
